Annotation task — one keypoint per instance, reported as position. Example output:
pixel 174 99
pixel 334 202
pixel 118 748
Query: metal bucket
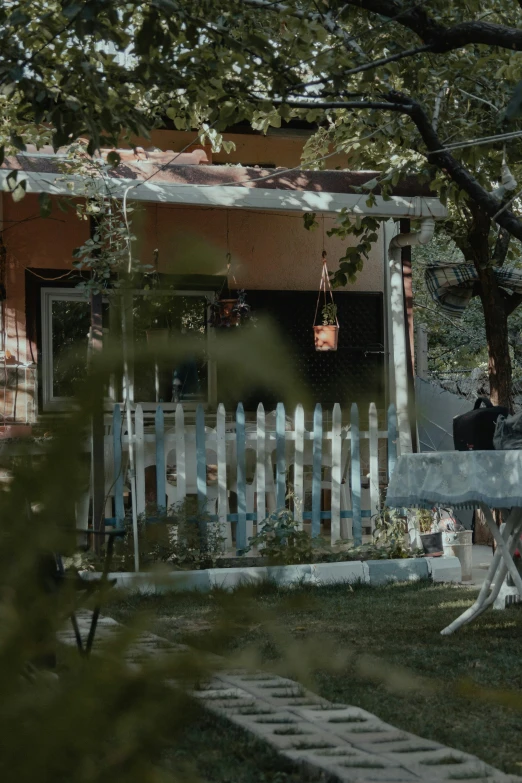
pixel 460 545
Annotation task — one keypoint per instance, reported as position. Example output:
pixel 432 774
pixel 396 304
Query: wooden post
pixel 98 432
pixel 405 228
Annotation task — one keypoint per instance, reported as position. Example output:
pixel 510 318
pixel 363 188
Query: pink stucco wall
pixel 269 250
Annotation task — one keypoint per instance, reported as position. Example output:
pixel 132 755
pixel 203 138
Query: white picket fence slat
pixel 324 473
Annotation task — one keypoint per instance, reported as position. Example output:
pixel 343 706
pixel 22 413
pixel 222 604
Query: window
pixel 159 319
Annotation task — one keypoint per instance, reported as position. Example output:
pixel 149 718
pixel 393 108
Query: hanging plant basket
pixel 229 313
pixel 326 334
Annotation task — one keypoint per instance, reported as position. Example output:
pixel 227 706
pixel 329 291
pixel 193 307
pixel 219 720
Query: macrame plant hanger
pixel 229 311
pixel 326 334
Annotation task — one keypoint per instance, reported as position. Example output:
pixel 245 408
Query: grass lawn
pixel 217 752
pixel 386 630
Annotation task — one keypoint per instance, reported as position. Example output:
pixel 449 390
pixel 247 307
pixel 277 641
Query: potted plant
pixel 326 334
pixel 229 312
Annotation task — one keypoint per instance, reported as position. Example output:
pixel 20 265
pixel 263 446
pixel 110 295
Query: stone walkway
pixel 335 741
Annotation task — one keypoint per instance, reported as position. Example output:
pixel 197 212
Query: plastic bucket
pixel 460 545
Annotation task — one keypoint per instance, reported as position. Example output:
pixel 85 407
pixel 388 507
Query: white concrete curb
pixel 371 572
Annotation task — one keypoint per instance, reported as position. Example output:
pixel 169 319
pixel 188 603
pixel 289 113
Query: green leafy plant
pixel 391 529
pixel 329 313
pixel 181 536
pixel 280 540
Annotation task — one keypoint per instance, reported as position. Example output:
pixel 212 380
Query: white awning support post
pixel 398 326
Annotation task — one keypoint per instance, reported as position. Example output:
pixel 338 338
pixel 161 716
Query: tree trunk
pixel 495 311
pixel 496 323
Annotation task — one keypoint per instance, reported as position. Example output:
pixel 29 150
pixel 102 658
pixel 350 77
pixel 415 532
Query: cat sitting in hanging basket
pixel 326 335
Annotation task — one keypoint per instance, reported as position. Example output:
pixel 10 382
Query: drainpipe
pixel 400 356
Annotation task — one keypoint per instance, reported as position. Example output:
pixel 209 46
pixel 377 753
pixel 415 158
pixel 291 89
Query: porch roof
pixel 183 178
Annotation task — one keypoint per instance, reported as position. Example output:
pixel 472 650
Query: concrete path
pixel 333 742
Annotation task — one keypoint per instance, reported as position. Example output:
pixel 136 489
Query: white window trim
pixel 54 403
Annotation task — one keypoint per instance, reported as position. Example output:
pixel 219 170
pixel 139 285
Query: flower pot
pixel 325 338
pixel 227 314
pixel 432 543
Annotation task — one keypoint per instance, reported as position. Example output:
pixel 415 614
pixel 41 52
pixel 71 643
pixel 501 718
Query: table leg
pixel 487 596
pixel 506 546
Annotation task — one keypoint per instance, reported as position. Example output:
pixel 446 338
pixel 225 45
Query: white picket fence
pixel 324 472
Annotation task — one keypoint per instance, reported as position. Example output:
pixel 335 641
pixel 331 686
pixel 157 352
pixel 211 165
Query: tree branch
pixel 374 64
pixel 443 39
pixel 436 37
pixel 444 160
pixel 436 154
pixel 377 105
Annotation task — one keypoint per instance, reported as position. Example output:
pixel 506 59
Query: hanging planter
pixel 228 312
pixel 326 334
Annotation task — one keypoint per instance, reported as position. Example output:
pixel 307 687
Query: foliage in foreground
pixel 100 720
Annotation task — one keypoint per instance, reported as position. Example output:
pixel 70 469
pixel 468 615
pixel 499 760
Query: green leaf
pixel 514 107
pixel 10 180
pixel 19 192
pixel 45 204
pixel 113 159
pixel 309 221
pixel 17 142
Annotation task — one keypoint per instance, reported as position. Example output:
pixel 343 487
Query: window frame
pixel 188 405
pixel 51 402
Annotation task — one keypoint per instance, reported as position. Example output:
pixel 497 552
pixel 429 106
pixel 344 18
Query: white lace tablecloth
pixel 457 478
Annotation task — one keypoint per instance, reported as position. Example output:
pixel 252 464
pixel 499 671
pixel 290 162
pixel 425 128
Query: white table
pixel 478 479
